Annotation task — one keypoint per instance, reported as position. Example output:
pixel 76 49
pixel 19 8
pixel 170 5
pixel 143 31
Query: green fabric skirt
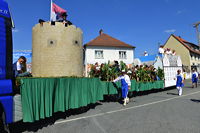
pixel 41 97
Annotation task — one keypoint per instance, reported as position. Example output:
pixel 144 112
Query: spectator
pixel 97 67
pixel 116 65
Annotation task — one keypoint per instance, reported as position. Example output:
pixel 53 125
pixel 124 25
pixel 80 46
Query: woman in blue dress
pixel 179 82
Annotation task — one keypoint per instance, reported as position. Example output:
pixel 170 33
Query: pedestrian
pixel 179 82
pixel 194 78
pixel 125 86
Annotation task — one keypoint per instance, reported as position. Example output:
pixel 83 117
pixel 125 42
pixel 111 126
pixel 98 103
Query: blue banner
pixel 4 10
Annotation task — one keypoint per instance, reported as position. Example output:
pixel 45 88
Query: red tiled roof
pixel 107 41
pixel 182 41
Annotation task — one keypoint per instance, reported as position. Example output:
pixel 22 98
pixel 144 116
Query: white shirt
pixel 126 77
pixel 19 66
pixel 195 74
pixel 161 50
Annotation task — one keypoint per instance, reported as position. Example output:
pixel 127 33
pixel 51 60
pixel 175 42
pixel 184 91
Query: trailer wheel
pixel 3 126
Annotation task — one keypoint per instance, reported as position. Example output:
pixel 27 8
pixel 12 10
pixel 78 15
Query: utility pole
pixel 196 25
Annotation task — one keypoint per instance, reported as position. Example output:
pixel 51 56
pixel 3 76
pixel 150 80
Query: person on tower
pixel 63 19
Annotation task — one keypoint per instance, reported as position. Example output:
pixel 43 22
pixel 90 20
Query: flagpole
pixel 51 11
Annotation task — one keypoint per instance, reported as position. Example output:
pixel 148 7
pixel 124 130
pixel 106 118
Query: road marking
pixel 120 110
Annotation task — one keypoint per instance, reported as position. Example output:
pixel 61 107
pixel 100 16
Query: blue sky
pixel 141 23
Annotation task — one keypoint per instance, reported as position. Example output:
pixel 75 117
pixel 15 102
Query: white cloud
pixel 170 31
pixel 15 30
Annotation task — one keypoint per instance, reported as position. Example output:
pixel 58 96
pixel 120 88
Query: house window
pixel 98 54
pixel 122 54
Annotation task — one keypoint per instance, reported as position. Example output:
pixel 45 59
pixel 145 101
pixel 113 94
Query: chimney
pixel 100 32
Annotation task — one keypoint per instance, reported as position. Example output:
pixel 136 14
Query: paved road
pixel 158 112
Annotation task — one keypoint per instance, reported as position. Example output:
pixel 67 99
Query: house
pixel 189 52
pixel 105 48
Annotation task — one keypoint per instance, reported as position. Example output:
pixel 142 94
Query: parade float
pixel 62 87
pixel 58 83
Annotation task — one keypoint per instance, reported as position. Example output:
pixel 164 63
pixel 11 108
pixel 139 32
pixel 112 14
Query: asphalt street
pixel 151 112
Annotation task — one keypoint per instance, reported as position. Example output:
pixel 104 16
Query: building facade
pixel 189 52
pixel 103 54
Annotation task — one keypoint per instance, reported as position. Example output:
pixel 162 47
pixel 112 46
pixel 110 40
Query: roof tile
pixel 184 42
pixel 108 41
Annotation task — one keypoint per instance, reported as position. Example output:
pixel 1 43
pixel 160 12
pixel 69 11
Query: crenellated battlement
pixel 57 25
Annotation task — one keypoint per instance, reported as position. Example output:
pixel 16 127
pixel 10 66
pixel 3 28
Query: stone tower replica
pixel 56 50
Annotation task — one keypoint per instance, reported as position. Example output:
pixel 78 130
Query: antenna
pixel 196 25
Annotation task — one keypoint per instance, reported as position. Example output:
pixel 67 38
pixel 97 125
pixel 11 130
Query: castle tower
pixel 56 50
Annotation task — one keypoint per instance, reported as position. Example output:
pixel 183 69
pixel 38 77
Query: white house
pixel 105 48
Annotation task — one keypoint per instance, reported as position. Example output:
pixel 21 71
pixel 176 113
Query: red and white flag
pixel 56 12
